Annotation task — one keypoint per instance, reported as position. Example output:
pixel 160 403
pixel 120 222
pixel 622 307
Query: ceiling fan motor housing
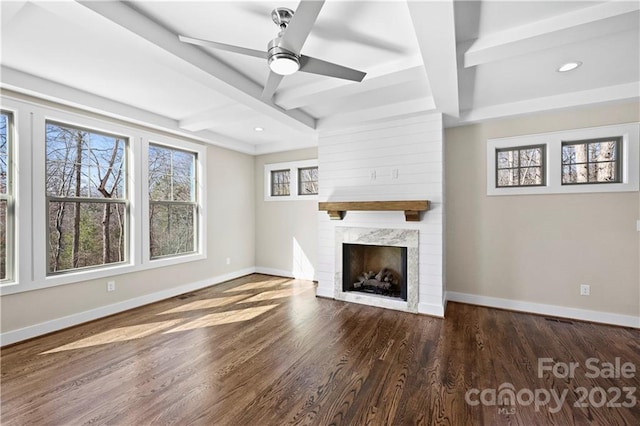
pixel 282 61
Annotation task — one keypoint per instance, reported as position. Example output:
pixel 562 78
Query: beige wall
pixel 540 248
pixel 230 233
pixel 282 224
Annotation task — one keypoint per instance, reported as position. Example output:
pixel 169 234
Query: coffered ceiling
pixel 470 60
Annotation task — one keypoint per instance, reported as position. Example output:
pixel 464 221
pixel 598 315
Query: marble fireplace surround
pixel 382 237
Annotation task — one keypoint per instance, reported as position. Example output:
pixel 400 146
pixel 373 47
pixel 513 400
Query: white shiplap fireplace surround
pixel 392 161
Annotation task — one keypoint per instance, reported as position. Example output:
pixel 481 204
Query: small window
pixel 280 183
pixel 6 199
pixel 591 161
pixel 173 207
pixel 86 198
pixel 520 166
pixel 308 181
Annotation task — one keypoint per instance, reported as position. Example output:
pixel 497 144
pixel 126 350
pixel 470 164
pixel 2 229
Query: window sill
pixel 95 274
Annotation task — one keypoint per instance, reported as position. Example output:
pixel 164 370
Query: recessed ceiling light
pixel 569 66
pixel 258 129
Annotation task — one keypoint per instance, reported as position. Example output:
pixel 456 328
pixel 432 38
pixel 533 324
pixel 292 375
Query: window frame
pixel 293 167
pixel 618 161
pixel 300 169
pixel 9 199
pixel 195 204
pixel 272 183
pixel 629 152
pixel 92 200
pixel 543 166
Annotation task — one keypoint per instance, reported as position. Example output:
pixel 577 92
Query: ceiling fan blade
pixel 222 46
pixel 273 81
pixel 300 26
pixel 318 66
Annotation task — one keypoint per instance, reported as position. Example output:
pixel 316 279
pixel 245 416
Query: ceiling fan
pixel 283 52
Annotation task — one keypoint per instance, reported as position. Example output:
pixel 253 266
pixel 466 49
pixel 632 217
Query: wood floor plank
pixel 264 350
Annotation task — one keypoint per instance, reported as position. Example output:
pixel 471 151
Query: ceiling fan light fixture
pixel 284 63
pixel 569 66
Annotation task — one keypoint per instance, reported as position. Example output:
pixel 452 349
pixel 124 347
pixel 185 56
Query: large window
pixel 86 198
pixel 173 207
pixel 521 166
pixel 6 200
pixel 591 161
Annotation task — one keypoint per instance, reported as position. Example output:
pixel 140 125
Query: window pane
pixel 280 182
pixel 507 159
pixel 85 234
pixel 508 177
pixel 602 172
pixel 3 239
pixel 81 163
pixel 171 174
pixel 172 229
pixel 602 151
pixel 4 152
pixel 531 176
pixel 308 181
pixel 576 173
pixel 531 157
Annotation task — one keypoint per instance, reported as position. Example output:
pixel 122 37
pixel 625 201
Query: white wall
pixel 286 231
pixel 532 252
pixel 347 158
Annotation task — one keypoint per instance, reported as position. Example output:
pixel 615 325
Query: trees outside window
pixel 308 181
pixel 280 183
pixel 591 161
pixel 86 198
pixel 521 166
pixel 6 199
pixel 173 206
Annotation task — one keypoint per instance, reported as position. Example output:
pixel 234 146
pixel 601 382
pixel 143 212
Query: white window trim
pixel 630 134
pixel 12 212
pixel 293 166
pixel 30 225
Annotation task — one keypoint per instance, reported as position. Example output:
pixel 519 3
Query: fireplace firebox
pixel 375 269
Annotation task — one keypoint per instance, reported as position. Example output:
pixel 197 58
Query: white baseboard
pixel 325 292
pixel 283 273
pixel 29 332
pixel 543 309
pixel 431 309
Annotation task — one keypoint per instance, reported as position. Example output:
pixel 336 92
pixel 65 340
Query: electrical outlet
pixel 394 174
pixel 111 286
pixel 228 261
pixel 372 175
pixel 585 290
pixel 638 225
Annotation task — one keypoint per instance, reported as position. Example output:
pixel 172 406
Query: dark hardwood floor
pixel 263 350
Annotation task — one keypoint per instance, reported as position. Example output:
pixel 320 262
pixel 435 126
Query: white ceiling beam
pixel 383 112
pixel 379 76
pixel 223 78
pixel 617 93
pixel 582 24
pixel 214 117
pixel 434 25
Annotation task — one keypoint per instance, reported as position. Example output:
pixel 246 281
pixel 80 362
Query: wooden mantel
pixel 411 209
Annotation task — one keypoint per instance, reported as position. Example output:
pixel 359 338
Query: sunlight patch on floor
pixel 276 294
pixel 259 285
pixel 205 304
pixel 227 317
pixel 121 334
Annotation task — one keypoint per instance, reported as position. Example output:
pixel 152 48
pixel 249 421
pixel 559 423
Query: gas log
pixel 377 283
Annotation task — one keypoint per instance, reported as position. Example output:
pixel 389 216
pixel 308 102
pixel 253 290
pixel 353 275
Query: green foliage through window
pixel 86 196
pixel 173 205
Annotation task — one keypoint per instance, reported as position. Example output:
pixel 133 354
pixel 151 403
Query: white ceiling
pixel 470 60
